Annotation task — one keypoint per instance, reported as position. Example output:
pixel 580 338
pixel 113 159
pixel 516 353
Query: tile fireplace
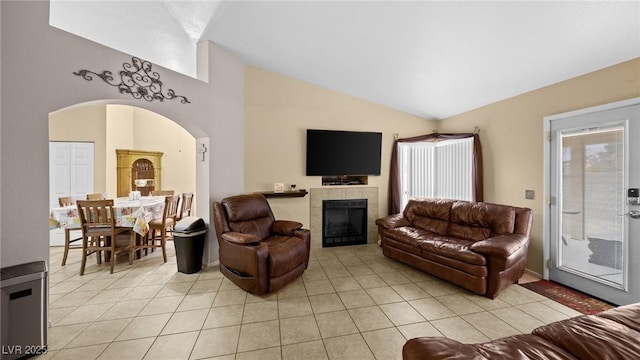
pixel 349 193
pixel 344 222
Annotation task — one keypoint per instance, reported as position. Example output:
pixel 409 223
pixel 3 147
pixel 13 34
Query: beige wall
pixel 512 137
pixel 157 133
pixel 113 127
pixel 279 110
pixel 120 135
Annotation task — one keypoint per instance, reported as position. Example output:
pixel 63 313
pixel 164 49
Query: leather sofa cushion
pixel 452 248
pixel 435 348
pixel 429 214
pixel 408 235
pixel 603 336
pixel 285 254
pixel 593 337
pixel 479 221
pixel 404 238
pixel 438 349
pixel 628 315
pixel 512 348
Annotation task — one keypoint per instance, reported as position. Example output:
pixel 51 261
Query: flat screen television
pixel 337 153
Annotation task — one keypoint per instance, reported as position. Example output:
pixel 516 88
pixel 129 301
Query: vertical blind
pixel 436 169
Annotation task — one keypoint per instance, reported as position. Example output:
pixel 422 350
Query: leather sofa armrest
pixel 240 238
pixel 500 246
pixel 439 348
pixel 285 227
pixel 393 221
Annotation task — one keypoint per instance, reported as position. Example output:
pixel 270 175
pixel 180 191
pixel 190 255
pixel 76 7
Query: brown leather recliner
pixel 257 252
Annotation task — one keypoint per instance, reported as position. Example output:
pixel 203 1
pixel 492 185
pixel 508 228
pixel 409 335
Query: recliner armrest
pixel 240 238
pixel 285 227
pixel 501 246
pixel 393 221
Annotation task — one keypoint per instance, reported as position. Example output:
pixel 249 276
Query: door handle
pixel 634 214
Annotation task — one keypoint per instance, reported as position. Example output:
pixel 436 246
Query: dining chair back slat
pixel 99 231
pixel 97 196
pixel 68 239
pixel 70 200
pixel 158 229
pixel 171 207
pixel 185 205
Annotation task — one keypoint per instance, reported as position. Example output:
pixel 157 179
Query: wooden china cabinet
pixel 138 170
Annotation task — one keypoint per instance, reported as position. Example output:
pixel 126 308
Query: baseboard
pixel 215 263
pixel 533 273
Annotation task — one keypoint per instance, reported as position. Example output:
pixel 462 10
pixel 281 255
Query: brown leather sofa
pixel 481 247
pixel 613 334
pixel 257 252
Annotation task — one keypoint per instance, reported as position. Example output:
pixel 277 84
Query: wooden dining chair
pixel 97 196
pixel 160 228
pixel 162 192
pixel 186 199
pixel 77 233
pixel 99 231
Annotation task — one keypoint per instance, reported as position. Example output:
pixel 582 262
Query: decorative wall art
pixel 136 79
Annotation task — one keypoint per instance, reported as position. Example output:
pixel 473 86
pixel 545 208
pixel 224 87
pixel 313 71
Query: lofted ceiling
pixel 433 59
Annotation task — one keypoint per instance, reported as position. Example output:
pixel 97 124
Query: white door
pixel 594 227
pixel 70 173
pixel 70 169
pixel 59 171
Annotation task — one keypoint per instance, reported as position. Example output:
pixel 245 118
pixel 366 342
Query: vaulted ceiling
pixel 433 59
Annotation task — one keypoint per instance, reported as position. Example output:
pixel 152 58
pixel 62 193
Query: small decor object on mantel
pixel 136 79
pixel 278 187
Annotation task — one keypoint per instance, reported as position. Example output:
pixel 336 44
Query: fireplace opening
pixel 344 222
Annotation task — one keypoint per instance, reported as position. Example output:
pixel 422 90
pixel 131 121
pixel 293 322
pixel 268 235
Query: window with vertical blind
pixel 441 169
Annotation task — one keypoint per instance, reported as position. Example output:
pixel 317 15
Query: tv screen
pixel 336 153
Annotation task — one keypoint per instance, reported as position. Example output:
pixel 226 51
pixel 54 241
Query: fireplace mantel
pixel 317 195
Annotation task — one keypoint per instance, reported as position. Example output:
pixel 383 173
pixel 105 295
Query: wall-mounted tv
pixel 336 153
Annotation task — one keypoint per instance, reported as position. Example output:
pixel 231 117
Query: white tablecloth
pixel 128 213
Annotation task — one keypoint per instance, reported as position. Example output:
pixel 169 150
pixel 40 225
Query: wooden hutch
pixel 138 170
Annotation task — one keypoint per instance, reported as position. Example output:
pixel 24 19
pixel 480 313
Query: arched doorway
pixel 110 127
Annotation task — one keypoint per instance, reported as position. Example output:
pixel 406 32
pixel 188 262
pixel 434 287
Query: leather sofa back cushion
pixel 479 221
pixel 592 337
pixel 250 215
pixel 257 227
pixel 429 214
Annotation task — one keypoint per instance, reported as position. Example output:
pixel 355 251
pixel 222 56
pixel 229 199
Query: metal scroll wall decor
pixel 136 79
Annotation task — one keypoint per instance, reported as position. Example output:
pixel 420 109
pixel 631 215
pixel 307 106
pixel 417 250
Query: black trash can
pixel 188 238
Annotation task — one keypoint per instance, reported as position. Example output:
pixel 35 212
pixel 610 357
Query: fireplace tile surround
pixel 317 195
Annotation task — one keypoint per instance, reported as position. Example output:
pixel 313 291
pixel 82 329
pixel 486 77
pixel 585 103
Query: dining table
pixel 135 214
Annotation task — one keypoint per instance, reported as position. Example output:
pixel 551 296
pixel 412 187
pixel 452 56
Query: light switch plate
pixel 528 194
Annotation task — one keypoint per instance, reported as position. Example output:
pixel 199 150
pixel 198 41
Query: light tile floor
pixel 351 303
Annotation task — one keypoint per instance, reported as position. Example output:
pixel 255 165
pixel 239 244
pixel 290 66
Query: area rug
pixel 574 299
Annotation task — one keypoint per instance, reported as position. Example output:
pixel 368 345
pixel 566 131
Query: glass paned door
pixel 592 184
pixel 594 236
